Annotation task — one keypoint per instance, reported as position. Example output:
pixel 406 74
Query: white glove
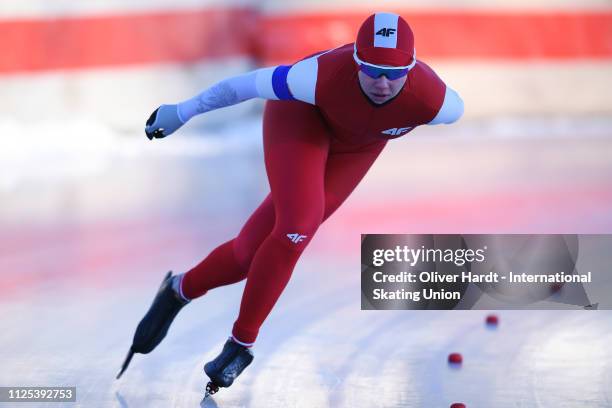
pixel 164 121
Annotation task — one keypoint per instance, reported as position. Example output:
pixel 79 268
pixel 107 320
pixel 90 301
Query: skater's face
pixel 380 89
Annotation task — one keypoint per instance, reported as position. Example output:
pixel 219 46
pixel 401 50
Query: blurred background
pixel 92 213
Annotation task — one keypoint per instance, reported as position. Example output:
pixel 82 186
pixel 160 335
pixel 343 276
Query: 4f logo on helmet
pixel 397 131
pixel 386 32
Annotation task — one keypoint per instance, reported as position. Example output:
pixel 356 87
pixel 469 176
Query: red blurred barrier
pixel 177 36
pixel 452 34
pixel 187 36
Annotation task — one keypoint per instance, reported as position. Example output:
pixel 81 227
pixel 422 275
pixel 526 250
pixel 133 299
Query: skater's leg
pixel 271 267
pixel 254 232
pixel 344 171
pixel 217 269
pixel 296 144
pixel 224 265
pixel 229 263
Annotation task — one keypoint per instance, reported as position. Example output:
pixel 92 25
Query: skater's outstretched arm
pixel 267 83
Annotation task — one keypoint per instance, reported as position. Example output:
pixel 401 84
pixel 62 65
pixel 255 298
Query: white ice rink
pixel 83 253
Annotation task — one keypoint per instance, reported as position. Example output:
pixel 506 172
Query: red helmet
pixel 385 39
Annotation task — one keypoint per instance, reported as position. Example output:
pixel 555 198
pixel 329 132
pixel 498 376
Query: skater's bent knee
pixel 243 254
pixel 295 236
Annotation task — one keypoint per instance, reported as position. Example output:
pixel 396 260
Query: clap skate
pixel 224 369
pixel 154 325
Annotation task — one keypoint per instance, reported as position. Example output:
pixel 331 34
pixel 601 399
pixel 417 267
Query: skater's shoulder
pixel 337 60
pixel 425 85
pixel 306 77
pixel 442 103
pixel 316 73
pixel 424 74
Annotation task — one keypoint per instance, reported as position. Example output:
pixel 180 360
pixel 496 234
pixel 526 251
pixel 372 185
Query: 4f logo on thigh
pixel 386 32
pixel 295 238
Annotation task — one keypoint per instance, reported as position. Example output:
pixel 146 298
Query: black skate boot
pixel 154 325
pixel 228 365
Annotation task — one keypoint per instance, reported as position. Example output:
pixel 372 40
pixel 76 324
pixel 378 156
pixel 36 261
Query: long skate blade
pixel 126 363
pixel 211 389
